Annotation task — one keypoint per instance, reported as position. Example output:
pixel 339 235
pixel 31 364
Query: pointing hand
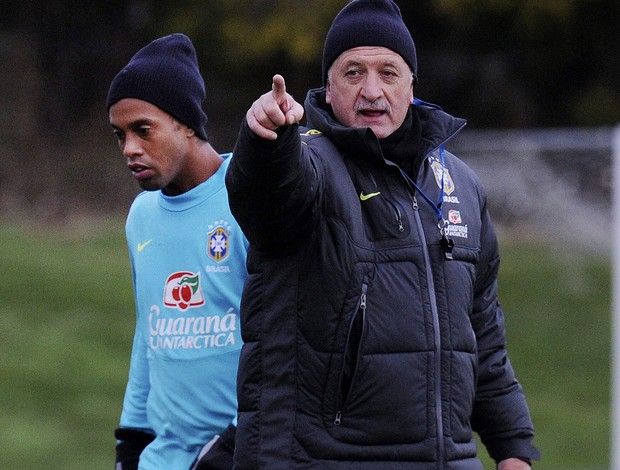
pixel 274 109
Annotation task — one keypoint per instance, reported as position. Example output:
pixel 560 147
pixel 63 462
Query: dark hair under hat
pixel 165 73
pixel 369 23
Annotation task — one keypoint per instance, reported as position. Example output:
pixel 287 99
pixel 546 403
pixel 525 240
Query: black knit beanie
pixel 165 73
pixel 369 23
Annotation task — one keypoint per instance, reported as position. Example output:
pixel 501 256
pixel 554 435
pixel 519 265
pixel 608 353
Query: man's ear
pixel 328 92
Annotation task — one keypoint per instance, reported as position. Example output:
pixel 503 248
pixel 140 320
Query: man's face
pixel 370 87
pixel 154 144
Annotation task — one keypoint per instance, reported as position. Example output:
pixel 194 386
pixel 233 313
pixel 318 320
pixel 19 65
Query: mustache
pixel 377 105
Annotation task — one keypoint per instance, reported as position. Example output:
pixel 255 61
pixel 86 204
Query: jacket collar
pixel 437 127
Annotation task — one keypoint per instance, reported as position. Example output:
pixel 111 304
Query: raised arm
pixel 271 181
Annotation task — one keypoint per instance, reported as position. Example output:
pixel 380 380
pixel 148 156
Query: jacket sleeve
pixel 218 454
pixel 271 188
pixel 500 416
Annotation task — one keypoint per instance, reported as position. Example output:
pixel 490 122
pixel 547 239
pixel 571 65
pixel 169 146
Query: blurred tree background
pixel 501 64
pixel 498 63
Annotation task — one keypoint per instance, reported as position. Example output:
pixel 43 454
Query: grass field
pixel 66 324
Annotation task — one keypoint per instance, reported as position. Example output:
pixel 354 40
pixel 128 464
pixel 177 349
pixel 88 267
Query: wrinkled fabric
pixel 364 347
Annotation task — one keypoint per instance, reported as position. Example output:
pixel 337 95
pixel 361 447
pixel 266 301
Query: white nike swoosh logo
pixel 142 246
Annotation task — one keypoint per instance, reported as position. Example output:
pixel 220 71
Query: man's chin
pixel 378 126
pixel 381 131
pixel 149 186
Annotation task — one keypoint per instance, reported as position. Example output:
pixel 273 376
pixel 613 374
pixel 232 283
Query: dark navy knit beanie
pixel 369 23
pixel 165 73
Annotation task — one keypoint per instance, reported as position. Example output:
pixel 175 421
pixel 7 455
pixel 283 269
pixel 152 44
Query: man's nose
pixel 372 88
pixel 131 146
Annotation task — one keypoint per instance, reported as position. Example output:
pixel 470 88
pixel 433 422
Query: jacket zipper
pixel 399 217
pixel 437 345
pixel 361 310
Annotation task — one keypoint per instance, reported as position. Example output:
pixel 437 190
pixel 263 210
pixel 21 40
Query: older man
pixel 373 337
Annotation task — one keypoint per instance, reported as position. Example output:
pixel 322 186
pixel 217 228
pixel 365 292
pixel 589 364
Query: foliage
pixel 500 63
pixel 497 63
pixel 66 325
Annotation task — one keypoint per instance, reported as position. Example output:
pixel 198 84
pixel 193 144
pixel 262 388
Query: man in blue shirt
pixel 187 256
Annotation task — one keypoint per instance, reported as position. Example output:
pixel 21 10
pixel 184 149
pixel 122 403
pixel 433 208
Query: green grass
pixel 558 306
pixel 66 324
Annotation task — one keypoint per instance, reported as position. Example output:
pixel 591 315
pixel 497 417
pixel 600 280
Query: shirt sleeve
pixel 137 390
pixel 138 385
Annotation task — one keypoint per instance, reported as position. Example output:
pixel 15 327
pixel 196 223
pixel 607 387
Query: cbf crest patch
pixel 439 170
pixel 219 241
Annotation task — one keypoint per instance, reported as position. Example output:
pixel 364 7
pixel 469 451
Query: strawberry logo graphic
pixel 183 291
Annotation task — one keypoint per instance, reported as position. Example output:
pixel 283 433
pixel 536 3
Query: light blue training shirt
pixel 188 259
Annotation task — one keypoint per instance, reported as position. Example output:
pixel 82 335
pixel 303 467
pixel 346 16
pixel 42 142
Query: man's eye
pixel 143 131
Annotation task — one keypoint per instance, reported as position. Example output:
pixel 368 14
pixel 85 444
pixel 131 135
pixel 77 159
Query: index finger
pixel 278 88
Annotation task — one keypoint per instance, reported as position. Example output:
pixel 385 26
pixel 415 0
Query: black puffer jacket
pixel 365 346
